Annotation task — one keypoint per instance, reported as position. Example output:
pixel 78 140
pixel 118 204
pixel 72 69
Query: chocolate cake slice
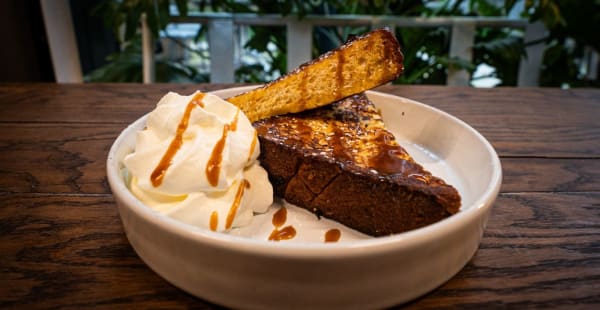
pixel 339 161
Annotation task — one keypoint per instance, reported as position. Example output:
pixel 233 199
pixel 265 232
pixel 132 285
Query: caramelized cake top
pixel 351 133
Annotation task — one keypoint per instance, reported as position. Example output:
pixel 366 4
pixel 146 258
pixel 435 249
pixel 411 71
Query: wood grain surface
pixel 62 244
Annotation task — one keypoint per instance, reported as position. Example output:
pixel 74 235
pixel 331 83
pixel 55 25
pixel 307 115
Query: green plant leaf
pixel 485 8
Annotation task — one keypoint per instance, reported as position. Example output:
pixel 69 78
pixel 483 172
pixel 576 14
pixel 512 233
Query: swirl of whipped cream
pixel 196 161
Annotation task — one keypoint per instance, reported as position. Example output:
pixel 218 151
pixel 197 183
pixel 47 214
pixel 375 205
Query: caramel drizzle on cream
pixel 158 174
pixel 236 203
pixel 285 233
pixel 214 220
pixel 252 146
pixel 213 167
pixel 333 235
pixel 278 220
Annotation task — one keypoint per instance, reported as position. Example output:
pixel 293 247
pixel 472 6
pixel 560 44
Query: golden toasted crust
pixel 362 63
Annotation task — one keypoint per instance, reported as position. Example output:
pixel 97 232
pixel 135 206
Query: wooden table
pixel 62 243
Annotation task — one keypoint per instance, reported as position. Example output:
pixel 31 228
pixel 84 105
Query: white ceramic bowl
pixel 251 272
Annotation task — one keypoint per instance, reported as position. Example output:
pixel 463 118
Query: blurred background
pixel 481 43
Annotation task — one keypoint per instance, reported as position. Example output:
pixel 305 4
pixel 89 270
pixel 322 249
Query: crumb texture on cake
pixel 362 63
pixel 339 161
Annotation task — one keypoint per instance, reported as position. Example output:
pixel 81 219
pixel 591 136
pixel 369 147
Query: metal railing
pixel 221 36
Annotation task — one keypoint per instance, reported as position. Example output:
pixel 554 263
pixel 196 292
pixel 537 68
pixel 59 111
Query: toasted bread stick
pixel 360 64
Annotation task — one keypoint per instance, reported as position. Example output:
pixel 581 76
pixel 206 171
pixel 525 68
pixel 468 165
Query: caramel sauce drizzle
pixel 339 150
pixel 213 166
pixel 214 220
pixel 302 132
pixel 369 44
pixel 285 233
pixel 391 159
pixel 339 79
pixel 279 217
pixel 252 146
pixel 278 220
pixel 386 55
pixel 333 235
pixel 158 174
pixel 303 89
pixel 234 121
pixel 236 203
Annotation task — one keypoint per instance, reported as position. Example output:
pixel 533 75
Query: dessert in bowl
pixel 202 215
pixel 243 269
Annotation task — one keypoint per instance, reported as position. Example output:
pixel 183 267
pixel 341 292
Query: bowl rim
pixel 358 248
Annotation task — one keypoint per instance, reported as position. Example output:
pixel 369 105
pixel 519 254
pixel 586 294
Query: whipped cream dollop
pixel 196 161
